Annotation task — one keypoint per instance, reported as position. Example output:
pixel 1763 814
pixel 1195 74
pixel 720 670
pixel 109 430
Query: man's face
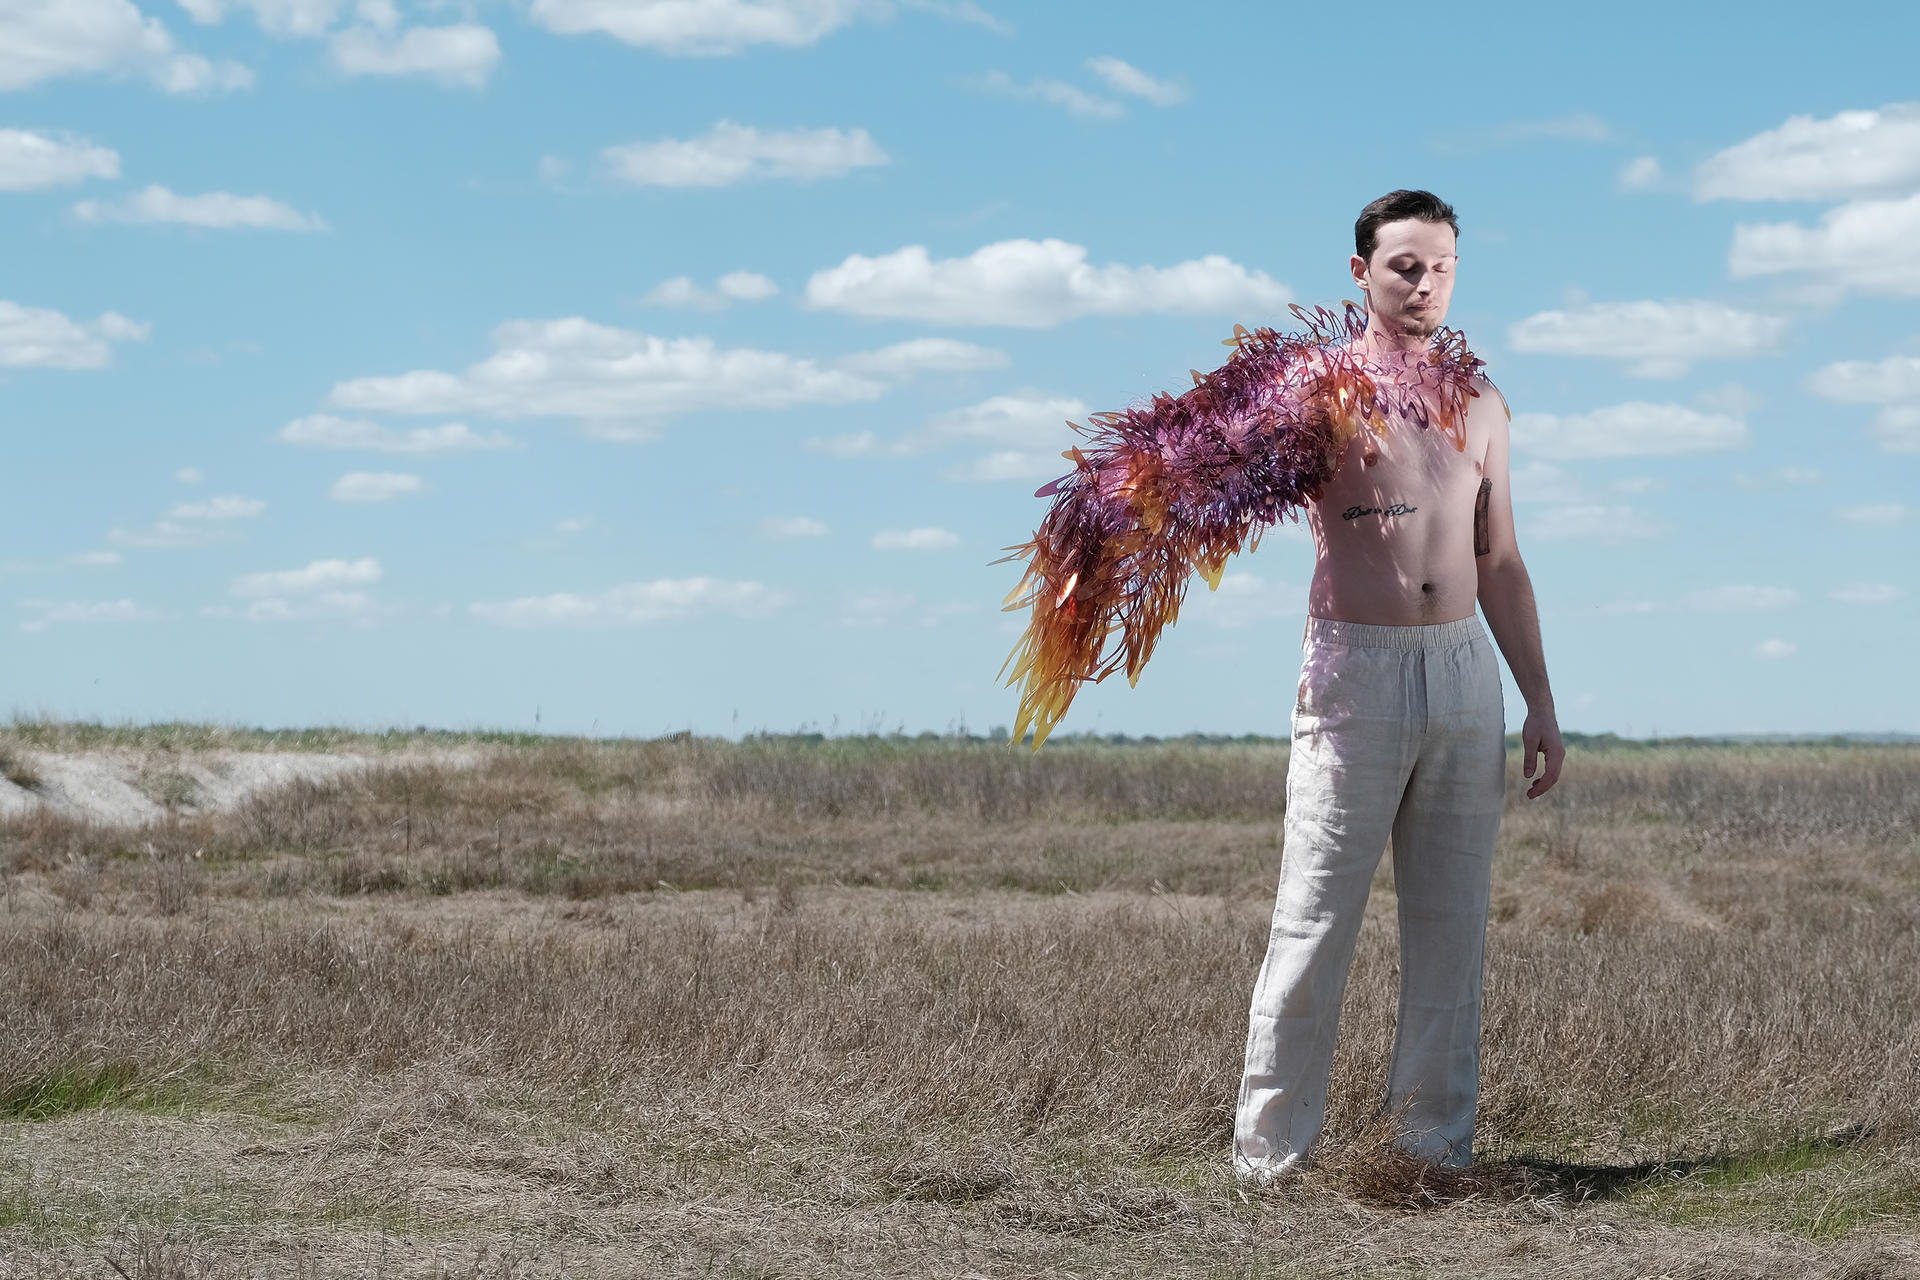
pixel 1410 279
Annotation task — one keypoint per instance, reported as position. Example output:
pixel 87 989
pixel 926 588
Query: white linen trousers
pixel 1396 731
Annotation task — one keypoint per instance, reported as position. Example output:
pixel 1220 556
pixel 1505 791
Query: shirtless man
pixel 1398 730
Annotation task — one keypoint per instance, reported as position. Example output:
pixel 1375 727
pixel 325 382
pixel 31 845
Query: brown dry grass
pixel 909 1008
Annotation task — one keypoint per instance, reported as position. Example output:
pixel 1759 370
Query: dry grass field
pixel 923 1007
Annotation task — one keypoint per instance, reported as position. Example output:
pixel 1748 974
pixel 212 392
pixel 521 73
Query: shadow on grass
pixel 1584 1182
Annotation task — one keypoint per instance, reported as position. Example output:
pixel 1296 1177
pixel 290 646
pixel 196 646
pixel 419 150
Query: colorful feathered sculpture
pixel 1179 485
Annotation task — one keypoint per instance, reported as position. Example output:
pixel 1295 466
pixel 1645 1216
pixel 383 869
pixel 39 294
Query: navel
pixel 1426 586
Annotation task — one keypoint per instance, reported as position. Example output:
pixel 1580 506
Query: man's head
pixel 1403 260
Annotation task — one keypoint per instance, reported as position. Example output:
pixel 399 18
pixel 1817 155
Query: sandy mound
pixel 132 788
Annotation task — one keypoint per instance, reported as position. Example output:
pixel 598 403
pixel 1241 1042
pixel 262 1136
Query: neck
pixel 1379 339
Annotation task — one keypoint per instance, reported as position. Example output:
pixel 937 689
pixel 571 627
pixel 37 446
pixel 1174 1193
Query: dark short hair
pixel 1396 206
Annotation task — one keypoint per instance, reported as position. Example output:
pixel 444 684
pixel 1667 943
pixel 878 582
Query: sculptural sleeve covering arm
pixel 1177 486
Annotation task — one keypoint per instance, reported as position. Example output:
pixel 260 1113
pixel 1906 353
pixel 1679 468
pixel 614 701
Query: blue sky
pixel 684 363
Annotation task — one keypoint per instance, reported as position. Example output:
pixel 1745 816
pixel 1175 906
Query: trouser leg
pixel 1345 776
pixel 1443 838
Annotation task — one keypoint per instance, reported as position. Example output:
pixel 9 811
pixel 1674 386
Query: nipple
pixel 1369 456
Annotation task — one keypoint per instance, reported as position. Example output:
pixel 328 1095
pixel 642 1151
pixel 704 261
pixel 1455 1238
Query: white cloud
pixel 1002 465
pixel 1893 383
pixel 1657 339
pixel 1538 481
pixel 1035 284
pixel 1242 599
pixel 190 475
pixel 1642 173
pixel 1775 648
pixel 76 560
pixel 735 286
pixel 924 539
pixel 461 55
pixel 316 576
pixel 619 384
pixel 1580 126
pixel 886 608
pixel 1873 515
pixel 1125 78
pixel 553 168
pixel 700 27
pixel 226 507
pixel 36 337
pixel 1016 419
pixel 1634 429
pixel 1889 381
pixel 1867 593
pixel 1779 477
pixel 730 153
pixel 191 524
pixel 855 444
pixel 1740 598
pixel 31 161
pixel 52 611
pixel 44 39
pixel 1593 523
pixel 1854 153
pixel 636 604
pixel 320 589
pixel 354 606
pixel 324 431
pixel 1639 484
pixel 1872 246
pixel 373 486
pixel 1898 429
pixel 789 527
pixel 961 11
pixel 1073 100
pixel 217 209
pixel 276 17
pixel 929 355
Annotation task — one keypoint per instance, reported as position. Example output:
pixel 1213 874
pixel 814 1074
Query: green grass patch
pixel 65 1090
pixel 1816 1188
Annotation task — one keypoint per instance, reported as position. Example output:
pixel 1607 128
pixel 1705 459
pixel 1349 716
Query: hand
pixel 1540 736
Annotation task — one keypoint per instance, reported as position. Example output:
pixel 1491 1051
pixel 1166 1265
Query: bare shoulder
pixel 1483 386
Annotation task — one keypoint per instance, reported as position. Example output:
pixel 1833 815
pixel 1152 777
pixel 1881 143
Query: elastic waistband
pixel 1366 635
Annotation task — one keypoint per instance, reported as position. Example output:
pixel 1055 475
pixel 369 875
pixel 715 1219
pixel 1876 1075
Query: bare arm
pixel 1506 597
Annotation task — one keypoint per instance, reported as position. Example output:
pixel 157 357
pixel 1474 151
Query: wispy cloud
pixel 1072 99
pixel 1124 77
pixel 1654 339
pixel 373 486
pixel 324 431
pixel 38 337
pixel 923 539
pixel 732 153
pixel 1035 284
pixel 1634 429
pixel 220 210
pixel 635 604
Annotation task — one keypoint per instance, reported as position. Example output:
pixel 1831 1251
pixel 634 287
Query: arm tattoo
pixel 1482 542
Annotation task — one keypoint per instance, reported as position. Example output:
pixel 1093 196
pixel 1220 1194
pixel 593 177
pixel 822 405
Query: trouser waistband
pixel 1367 635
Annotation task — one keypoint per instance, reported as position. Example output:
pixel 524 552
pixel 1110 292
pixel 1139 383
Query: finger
pixel 1526 769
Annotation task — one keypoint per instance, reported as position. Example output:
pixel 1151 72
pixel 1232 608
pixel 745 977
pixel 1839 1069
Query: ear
pixel 1358 265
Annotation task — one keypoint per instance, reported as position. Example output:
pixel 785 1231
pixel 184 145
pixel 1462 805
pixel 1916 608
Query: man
pixel 1398 731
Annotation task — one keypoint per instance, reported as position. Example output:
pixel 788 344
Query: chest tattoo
pixel 1392 509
